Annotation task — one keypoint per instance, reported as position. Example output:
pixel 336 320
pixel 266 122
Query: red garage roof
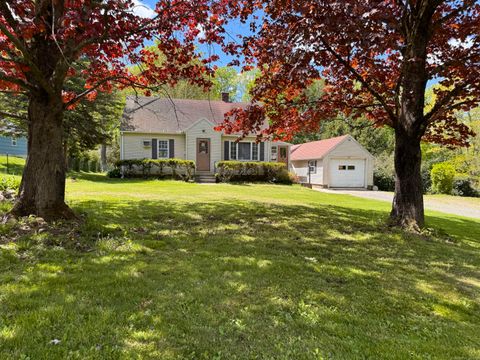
pixel 315 149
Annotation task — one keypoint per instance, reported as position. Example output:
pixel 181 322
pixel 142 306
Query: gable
pixel 349 147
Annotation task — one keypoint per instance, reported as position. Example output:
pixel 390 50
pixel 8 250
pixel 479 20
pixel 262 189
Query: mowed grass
pixel 172 270
pixel 13 165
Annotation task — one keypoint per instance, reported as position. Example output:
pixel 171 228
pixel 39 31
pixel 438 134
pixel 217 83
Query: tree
pixel 41 41
pixel 86 126
pixel 376 58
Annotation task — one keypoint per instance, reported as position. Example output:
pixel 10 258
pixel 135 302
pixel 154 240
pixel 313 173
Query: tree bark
pixel 103 157
pixel 407 209
pixel 42 189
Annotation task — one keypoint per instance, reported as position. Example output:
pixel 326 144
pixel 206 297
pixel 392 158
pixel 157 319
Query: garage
pixel 347 173
pixel 339 162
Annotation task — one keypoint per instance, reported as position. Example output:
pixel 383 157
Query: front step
pixel 205 178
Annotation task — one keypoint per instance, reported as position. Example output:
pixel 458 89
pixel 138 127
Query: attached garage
pixel 339 162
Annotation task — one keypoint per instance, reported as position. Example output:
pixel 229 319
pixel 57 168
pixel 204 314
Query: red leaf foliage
pixel 376 58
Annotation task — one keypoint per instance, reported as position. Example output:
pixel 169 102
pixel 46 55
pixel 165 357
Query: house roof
pixel 315 149
pixel 160 115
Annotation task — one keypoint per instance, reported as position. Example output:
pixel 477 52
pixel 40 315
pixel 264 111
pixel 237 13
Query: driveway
pixel 469 207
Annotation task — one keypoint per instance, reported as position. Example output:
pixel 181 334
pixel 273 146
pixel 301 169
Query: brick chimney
pixel 225 97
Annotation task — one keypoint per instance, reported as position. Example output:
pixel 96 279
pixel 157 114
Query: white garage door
pixel 347 173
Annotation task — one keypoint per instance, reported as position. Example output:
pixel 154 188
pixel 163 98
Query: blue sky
pixel 145 8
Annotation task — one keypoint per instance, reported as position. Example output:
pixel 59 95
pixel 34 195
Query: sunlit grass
pixel 185 271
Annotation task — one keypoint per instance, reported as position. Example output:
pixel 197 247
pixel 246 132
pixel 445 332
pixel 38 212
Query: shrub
pixel 384 182
pixel 442 176
pixel 179 169
pixel 228 171
pixel 463 186
pixel 8 182
pixel 114 173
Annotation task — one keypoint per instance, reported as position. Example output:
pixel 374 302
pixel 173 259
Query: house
pixel 339 162
pixel 15 146
pixel 160 128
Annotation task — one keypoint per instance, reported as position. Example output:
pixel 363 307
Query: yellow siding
pixel 133 145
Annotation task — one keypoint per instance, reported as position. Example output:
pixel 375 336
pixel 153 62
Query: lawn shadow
pixel 245 280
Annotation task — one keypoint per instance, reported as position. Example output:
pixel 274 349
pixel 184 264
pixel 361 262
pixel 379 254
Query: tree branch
pixel 360 78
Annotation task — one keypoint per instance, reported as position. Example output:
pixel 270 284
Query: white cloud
pixel 142 10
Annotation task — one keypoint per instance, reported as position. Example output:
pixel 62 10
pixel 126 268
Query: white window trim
pixel 276 152
pixel 233 143
pixel 14 141
pixel 312 164
pixel 168 149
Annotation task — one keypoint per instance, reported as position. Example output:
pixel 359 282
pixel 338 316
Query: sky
pixel 145 8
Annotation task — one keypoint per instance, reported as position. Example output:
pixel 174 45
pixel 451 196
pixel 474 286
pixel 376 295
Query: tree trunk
pixel 407 209
pixel 42 190
pixel 103 157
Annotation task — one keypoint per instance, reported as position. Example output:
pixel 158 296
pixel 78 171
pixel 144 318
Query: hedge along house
pixel 158 128
pixel 339 162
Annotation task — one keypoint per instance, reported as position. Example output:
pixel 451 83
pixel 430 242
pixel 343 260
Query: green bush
pixel 463 186
pixel 228 171
pixel 8 182
pixel 384 182
pixel 179 169
pixel 114 173
pixel 442 176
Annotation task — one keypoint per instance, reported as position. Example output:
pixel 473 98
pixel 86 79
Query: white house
pixel 156 128
pixel 339 162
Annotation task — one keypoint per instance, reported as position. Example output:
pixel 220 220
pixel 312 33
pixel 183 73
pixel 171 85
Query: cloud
pixel 142 10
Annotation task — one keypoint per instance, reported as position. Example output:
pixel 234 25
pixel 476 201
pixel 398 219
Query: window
pixel 14 141
pixel 283 152
pixel 233 150
pixel 342 167
pixel 274 153
pixel 203 147
pixel 312 167
pixel 254 151
pixel 147 143
pixel 351 167
pixel 244 151
pixel 162 149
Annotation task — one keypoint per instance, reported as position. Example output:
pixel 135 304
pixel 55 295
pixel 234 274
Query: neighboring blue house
pixel 13 146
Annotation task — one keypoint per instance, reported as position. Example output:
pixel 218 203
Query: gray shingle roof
pixel 160 115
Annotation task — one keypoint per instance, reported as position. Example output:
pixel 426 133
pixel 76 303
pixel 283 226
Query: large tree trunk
pixel 407 209
pixel 42 190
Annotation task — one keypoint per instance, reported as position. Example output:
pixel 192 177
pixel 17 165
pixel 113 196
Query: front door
pixel 283 154
pixel 203 154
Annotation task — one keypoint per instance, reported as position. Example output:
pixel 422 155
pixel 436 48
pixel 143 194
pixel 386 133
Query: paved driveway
pixel 468 207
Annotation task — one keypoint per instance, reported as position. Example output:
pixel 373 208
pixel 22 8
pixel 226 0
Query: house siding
pixel 132 145
pixel 300 168
pixel 7 148
pixel 203 129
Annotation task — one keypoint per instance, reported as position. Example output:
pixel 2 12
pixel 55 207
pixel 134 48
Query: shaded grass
pixel 223 272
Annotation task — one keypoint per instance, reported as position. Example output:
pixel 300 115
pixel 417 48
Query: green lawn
pixel 169 270
pixel 13 164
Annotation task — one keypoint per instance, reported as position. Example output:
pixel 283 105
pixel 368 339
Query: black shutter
pixel 226 150
pixel 154 149
pixel 262 151
pixel 171 148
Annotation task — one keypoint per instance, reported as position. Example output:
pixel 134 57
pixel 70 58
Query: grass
pixel 15 165
pixel 169 270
